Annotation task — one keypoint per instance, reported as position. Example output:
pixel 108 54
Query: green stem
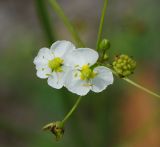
pixel 141 87
pixel 101 23
pixel 45 20
pixel 66 21
pixel 72 110
pixel 135 84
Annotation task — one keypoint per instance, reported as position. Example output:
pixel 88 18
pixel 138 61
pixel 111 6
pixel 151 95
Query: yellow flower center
pixel 56 64
pixel 87 73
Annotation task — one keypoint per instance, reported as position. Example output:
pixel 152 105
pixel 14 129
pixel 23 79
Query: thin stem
pixel 66 21
pixel 141 87
pixel 135 84
pixel 45 20
pixel 101 23
pixel 72 110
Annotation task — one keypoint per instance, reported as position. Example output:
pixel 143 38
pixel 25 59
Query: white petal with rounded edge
pixel 44 55
pixel 75 85
pixel 40 66
pixel 56 79
pixel 82 56
pixel 43 73
pixel 61 48
pixel 103 79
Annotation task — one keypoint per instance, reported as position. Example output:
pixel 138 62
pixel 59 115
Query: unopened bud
pixel 104 44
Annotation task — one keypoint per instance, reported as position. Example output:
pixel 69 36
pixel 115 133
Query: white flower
pixel 50 63
pixel 83 77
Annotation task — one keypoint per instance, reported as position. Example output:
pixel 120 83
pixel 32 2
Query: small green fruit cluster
pixel 124 65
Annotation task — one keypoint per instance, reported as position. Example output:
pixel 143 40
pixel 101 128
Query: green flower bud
pixel 56 128
pixel 104 44
pixel 124 65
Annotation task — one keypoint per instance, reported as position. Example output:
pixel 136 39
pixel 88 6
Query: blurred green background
pixel 122 116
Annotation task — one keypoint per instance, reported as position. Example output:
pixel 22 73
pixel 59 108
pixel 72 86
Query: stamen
pixel 56 64
pixel 87 73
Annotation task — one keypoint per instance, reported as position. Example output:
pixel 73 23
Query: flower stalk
pixel 67 22
pixel 101 24
pixel 141 87
pixel 72 110
pixel 135 84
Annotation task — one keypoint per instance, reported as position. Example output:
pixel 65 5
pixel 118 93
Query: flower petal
pixel 82 56
pixel 43 72
pixel 41 66
pixel 103 79
pixel 75 85
pixel 56 79
pixel 61 48
pixel 44 55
